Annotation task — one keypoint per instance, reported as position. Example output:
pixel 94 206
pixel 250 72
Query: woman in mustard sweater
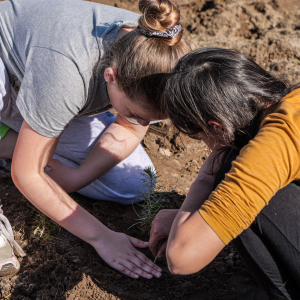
pixel 251 122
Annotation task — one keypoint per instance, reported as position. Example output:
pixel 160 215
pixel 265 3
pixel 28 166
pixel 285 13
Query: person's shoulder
pixel 286 111
pixel 292 97
pixel 289 103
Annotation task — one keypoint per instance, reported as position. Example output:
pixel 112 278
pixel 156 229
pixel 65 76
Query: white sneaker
pixel 9 264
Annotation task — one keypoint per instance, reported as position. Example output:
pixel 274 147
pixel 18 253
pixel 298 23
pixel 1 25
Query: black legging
pixel 271 245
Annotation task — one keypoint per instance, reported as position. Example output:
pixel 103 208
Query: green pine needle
pixel 150 201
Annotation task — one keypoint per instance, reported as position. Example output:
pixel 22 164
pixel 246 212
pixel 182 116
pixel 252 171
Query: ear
pixel 216 126
pixel 110 75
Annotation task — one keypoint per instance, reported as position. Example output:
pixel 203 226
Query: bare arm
pixel 192 244
pixel 32 153
pixel 161 225
pixel 118 141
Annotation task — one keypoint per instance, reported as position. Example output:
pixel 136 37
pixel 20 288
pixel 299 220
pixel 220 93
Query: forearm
pixel 201 188
pixel 31 155
pixel 50 199
pixel 116 144
pixel 198 193
pixel 192 244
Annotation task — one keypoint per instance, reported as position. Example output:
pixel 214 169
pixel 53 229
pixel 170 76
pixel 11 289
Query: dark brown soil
pixel 64 267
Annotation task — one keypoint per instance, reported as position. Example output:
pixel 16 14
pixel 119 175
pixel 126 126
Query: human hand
pixel 118 250
pixel 161 227
pixel 64 176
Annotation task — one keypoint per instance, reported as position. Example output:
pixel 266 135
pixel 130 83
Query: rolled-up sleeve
pixel 268 163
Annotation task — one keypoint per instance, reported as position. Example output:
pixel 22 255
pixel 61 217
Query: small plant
pixel 150 201
pixel 45 227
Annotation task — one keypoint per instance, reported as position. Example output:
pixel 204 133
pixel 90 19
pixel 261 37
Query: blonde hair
pixel 140 60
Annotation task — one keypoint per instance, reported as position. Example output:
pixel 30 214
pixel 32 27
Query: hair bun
pixel 158 15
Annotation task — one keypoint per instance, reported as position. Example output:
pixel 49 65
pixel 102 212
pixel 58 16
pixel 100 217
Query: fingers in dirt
pixel 122 269
pixel 137 243
pixel 138 271
pixel 146 264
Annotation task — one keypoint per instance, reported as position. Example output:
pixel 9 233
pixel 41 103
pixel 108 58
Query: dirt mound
pixel 64 267
pixel 265 31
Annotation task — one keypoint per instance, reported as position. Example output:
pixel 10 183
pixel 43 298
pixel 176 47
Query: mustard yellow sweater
pixel 268 163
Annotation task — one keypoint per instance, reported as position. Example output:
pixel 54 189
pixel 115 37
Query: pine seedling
pixel 150 201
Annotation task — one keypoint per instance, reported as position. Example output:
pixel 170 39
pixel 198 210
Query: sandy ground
pixel 64 267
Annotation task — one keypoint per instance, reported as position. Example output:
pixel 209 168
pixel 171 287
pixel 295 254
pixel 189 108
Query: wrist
pixel 82 224
pixel 100 238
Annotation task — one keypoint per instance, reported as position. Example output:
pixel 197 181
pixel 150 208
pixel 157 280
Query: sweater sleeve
pixel 268 163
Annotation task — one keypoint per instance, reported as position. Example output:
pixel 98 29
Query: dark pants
pixel 271 245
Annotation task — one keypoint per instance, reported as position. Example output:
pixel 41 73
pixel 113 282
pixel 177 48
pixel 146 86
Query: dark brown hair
pixel 225 86
pixel 140 60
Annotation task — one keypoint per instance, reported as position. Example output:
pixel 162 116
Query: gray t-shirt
pixel 52 48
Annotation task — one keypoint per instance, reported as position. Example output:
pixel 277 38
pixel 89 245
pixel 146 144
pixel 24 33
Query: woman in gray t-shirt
pixel 74 59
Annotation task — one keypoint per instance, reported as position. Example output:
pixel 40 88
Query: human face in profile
pixel 211 142
pixel 138 111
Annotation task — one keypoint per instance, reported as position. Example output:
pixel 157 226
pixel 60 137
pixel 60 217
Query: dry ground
pixel 64 267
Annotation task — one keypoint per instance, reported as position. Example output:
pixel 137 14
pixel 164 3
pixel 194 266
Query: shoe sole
pixel 9 270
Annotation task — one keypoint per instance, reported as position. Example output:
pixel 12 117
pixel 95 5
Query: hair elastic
pixel 169 34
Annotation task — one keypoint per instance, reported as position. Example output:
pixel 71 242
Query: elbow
pixel 174 264
pixel 19 174
pixel 179 261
